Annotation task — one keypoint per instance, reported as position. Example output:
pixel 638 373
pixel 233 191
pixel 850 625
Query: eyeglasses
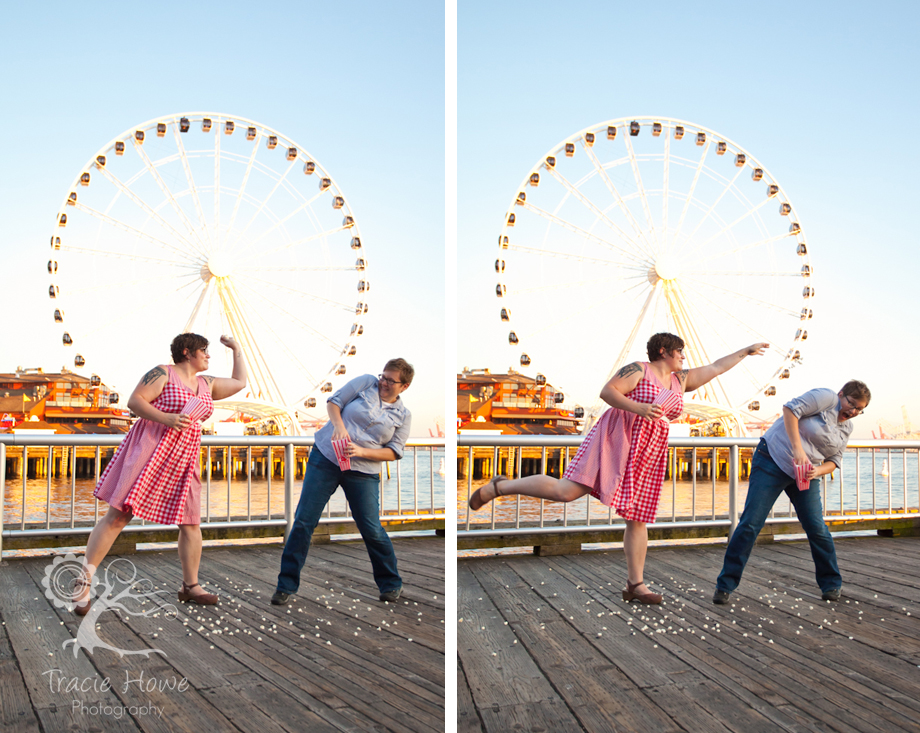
pixel 387 381
pixel 856 412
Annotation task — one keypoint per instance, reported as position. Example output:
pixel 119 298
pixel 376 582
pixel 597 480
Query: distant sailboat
pixel 441 468
pixel 884 471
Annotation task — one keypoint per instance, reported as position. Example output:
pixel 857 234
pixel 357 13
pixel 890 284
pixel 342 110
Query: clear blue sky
pixel 359 84
pixel 824 94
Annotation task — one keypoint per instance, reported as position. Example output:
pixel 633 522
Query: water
pixel 678 499
pixel 397 494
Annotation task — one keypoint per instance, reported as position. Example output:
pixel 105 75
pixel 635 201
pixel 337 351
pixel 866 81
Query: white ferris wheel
pixel 213 224
pixel 648 224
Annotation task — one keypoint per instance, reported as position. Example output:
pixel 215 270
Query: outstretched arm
pixel 221 389
pixel 697 377
pixel 623 382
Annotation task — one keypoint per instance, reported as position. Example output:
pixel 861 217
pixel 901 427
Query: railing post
pixel 3 493
pixel 288 489
pixel 733 489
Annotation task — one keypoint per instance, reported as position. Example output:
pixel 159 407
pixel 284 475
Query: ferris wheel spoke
pixel 217 187
pixel 183 156
pixel 158 179
pixel 306 204
pixel 239 324
pixel 131 285
pixel 563 255
pixel 282 268
pixel 131 230
pixel 631 339
pixel 134 258
pixel 575 315
pixel 322 338
pixel 282 342
pixel 746 297
pixel 665 184
pixel 608 182
pixel 315 298
pixel 147 209
pixel 728 227
pixel 634 162
pixel 745 325
pixel 563 286
pixel 714 204
pixel 264 203
pixel 742 248
pixel 582 232
pixel 243 184
pixel 189 324
pixel 262 255
pixel 686 207
pixel 588 204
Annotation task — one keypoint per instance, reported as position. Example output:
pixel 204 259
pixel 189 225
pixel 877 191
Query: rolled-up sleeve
pixel 812 402
pixel 351 389
pixel 398 442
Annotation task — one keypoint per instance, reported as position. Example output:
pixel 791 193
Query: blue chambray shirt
pixel 370 422
pixel 823 438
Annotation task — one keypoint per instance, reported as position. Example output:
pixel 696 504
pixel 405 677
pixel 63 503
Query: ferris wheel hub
pixel 218 265
pixel 666 268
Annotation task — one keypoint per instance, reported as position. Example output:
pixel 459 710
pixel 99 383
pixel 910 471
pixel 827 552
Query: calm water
pixel 841 491
pixel 397 494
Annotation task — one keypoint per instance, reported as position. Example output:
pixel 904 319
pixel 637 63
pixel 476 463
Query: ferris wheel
pixel 648 224
pixel 213 224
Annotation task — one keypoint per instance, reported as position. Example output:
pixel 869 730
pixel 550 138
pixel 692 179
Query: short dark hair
pixel 857 389
pixel 191 341
pixel 667 341
pixel 405 369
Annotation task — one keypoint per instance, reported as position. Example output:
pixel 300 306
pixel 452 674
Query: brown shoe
pixel 477 501
pixel 80 584
pixel 202 599
pixel 651 599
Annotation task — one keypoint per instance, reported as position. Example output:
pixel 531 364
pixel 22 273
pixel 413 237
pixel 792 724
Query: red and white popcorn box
pixel 668 401
pixel 195 409
pixel 341 453
pixel 801 471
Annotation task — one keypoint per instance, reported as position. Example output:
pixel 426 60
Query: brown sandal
pixel 81 608
pixel 202 599
pixel 651 599
pixel 476 500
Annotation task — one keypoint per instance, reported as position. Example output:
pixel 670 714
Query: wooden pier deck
pixel 547 644
pixel 334 659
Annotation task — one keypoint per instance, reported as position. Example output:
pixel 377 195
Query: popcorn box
pixel 668 401
pixel 800 473
pixel 341 452
pixel 195 409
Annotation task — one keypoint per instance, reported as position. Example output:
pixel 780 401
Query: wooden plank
pixel 467 716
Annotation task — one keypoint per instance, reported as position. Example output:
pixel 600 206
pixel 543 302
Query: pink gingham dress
pixel 156 471
pixel 623 459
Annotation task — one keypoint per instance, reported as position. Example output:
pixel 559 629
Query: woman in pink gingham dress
pixel 155 473
pixel 623 459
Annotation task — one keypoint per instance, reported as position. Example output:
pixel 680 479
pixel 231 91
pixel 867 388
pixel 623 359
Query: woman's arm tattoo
pixel 154 374
pixel 627 370
pixel 682 375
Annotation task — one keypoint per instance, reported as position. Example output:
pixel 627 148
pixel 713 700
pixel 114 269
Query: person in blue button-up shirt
pixel 814 430
pixel 369 413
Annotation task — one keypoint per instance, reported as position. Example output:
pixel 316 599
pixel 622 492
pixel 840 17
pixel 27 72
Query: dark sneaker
pixel 280 598
pixel 391 595
pixel 721 597
pixel 831 595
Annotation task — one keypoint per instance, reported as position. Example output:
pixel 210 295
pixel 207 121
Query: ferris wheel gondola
pixel 217 224
pixel 640 225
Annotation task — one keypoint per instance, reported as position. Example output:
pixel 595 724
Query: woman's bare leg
pixel 100 542
pixel 539 486
pixel 635 546
pixel 190 555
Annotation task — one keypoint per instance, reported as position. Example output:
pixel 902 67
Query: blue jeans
pixel 767 482
pixel 321 478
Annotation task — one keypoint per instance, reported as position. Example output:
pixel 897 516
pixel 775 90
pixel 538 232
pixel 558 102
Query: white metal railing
pixel 406 508
pixel 862 489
